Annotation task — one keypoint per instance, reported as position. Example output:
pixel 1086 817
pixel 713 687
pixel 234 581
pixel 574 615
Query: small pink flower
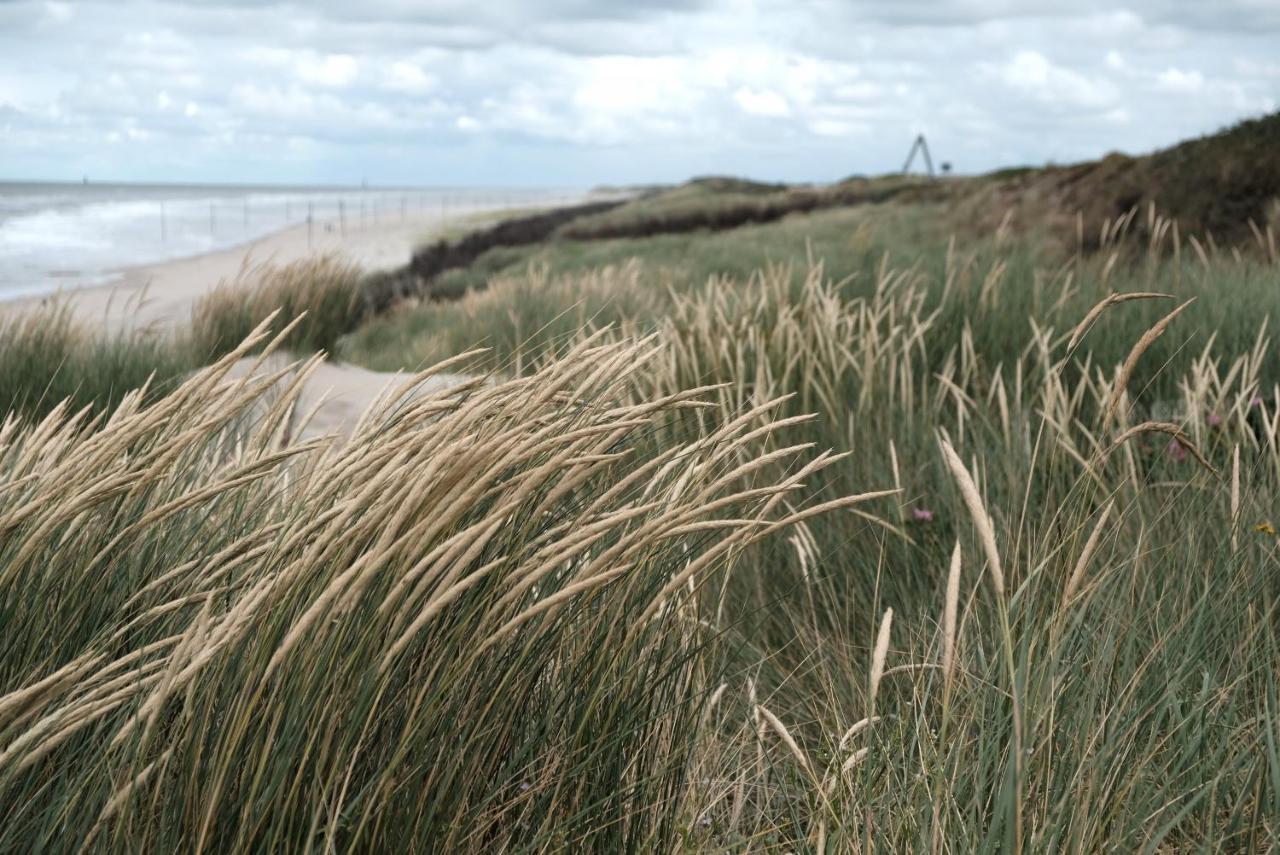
pixel 922 515
pixel 1256 402
pixel 1214 419
pixel 1176 452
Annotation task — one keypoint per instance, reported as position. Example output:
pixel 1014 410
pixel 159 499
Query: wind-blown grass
pixel 1112 667
pixel 963 553
pixel 474 625
pixel 47 357
pixel 1084 617
pixel 323 291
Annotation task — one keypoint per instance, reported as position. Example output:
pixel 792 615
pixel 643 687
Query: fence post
pixel 164 236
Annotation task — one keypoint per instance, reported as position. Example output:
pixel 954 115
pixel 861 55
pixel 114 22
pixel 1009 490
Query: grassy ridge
pixel 1104 681
pixel 831 534
pixel 48 357
pixel 244 642
pixel 996 287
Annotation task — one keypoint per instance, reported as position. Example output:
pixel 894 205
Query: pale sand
pixel 160 296
pixel 336 395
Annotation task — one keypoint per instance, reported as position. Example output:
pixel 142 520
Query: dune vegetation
pixel 1060 633
pixel 830 534
pixel 48 357
pixel 323 293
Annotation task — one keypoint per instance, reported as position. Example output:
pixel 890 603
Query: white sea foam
pixel 63 236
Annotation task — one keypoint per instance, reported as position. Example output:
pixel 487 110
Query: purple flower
pixel 1214 419
pixel 1176 452
pixel 922 515
pixel 1256 401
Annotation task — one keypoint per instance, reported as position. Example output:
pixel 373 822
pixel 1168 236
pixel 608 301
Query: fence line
pixel 180 218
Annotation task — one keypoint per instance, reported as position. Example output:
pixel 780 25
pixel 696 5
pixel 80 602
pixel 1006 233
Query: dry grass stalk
pixel 856 728
pixel 978 511
pixel 1131 362
pixel 1107 302
pixel 788 740
pixel 1082 563
pixel 1235 498
pixel 878 656
pixel 1179 435
pixel 950 610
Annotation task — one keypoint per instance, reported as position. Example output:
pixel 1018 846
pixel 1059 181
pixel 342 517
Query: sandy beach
pixel 162 294
pixel 160 297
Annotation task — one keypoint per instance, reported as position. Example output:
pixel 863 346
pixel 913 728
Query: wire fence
pixel 66 236
pixel 232 219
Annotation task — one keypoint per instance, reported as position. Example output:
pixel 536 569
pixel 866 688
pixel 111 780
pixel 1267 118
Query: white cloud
pixel 837 128
pixel 410 78
pixel 1031 73
pixel 335 70
pixel 613 90
pixel 761 102
pixel 1182 82
pixel 58 12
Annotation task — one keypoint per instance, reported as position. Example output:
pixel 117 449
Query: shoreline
pixel 161 294
pixel 159 297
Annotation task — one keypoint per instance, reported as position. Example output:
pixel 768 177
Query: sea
pixel 62 236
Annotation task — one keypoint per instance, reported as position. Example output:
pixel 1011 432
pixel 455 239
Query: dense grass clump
pixel 891 542
pixel 474 625
pixel 1060 635
pixel 994 289
pixel 324 291
pixel 48 357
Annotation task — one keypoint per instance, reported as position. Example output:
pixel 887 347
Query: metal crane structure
pixel 923 147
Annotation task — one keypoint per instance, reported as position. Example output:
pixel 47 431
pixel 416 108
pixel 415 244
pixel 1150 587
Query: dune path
pixel 160 297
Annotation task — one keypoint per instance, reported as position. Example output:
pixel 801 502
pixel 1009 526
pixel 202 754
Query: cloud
pixel 1183 82
pixel 336 70
pixel 558 91
pixel 1032 74
pixel 408 77
pixel 761 102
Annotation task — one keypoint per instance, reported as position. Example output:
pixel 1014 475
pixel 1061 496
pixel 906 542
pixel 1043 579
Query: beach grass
pixel 833 534
pixel 50 359
pixel 475 624
pixel 1081 566
pixel 323 291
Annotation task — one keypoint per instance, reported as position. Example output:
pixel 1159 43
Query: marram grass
pixel 475 625
pixel 962 556
pixel 324 292
pixel 1083 580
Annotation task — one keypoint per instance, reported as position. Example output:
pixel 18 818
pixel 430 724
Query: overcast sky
pixel 576 92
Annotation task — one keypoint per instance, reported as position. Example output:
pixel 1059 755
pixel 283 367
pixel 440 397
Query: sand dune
pixel 160 296
pixel 336 395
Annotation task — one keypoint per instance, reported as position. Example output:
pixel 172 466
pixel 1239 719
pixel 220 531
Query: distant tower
pixel 923 147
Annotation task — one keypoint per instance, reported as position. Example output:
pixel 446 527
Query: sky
pixel 578 93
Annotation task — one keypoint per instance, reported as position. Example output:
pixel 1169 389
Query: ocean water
pixel 65 236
